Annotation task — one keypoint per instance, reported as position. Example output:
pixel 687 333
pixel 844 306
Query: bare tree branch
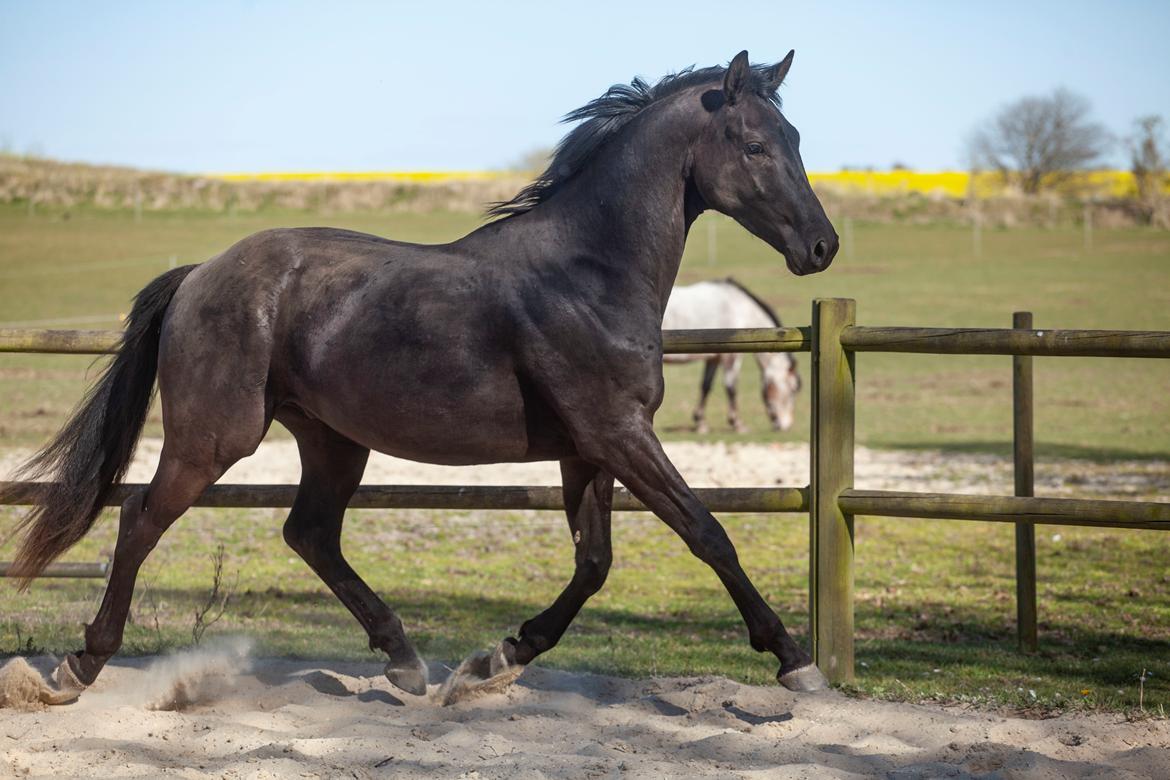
pixel 1039 141
pixel 217 599
pixel 1148 160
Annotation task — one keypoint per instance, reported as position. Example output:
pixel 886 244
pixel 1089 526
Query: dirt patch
pixel 719 464
pixel 291 718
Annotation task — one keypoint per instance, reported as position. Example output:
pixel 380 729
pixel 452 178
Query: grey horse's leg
pixel 331 470
pixel 731 366
pixel 710 367
pixel 627 447
pixel 588 493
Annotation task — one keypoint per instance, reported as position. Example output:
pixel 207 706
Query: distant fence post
pixel 1023 451
pixel 1087 224
pixel 830 529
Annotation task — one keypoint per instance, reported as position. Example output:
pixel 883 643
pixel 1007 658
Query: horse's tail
pixel 79 469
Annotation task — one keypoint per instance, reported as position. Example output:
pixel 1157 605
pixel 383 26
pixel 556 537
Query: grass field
pixel 81 272
pixel 931 596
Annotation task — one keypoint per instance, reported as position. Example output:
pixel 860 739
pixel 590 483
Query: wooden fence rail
pixel 831 499
pixel 743 499
pixel 105 342
pixel 1004 341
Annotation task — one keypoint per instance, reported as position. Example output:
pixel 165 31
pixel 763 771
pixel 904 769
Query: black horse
pixel 536 337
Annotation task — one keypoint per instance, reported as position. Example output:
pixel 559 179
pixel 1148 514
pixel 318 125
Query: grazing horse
pixel 725 303
pixel 536 337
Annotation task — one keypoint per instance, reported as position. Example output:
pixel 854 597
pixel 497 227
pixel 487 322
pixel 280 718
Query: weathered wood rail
pixel 745 500
pixel 830 499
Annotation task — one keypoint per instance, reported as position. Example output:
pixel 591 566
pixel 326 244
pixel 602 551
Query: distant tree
pixel 1039 141
pixel 1148 160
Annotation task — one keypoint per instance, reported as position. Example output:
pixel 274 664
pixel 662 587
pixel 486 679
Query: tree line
pixel 1040 142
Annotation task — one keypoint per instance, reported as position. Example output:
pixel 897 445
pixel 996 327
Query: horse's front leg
pixel 588 494
pixel 628 448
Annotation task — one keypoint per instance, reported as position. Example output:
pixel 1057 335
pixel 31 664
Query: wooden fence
pixel 830 498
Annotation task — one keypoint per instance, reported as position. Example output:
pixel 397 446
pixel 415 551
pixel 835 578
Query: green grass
pixel 930 595
pixel 935 601
pixel 94 262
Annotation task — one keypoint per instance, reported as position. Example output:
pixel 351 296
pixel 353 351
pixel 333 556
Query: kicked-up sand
pixel 215 712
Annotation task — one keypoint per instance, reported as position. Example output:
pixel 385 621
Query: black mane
pixel 603 117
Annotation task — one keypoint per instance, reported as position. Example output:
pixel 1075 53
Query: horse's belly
pixel 456 417
pixel 420 367
pixel 461 443
pixel 432 430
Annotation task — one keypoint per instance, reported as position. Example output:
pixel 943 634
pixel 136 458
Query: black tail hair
pixel 90 455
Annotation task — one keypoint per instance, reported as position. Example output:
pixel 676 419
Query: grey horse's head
pixel 781 385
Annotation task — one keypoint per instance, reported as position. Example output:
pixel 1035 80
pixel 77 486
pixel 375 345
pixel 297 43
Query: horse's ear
pixel 736 78
pixel 774 76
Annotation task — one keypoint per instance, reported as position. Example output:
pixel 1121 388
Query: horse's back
pixel 401 347
pixel 713 304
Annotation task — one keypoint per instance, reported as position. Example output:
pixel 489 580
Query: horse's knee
pixel 593 571
pixel 295 534
pixel 307 538
pixel 309 541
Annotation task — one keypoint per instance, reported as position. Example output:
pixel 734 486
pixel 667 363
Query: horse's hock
pixel 834 341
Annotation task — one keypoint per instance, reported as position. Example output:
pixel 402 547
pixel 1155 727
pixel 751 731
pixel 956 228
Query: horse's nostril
pixel 820 249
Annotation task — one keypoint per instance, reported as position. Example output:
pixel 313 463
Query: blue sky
pixel 225 86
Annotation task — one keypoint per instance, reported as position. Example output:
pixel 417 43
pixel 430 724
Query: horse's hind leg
pixel 177 483
pixel 588 493
pixel 331 470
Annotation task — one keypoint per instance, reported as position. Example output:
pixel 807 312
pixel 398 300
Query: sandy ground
pixel 190 716
pixel 718 464
pixel 218 713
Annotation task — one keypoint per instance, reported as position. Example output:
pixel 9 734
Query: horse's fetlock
pixel 101 644
pixel 86 665
pixel 538 643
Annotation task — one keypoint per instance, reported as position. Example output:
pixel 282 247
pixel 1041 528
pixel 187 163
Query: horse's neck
pixel 630 205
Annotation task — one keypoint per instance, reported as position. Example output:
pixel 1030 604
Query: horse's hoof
pixel 69 685
pixel 477 676
pixel 412 679
pixel 503 658
pixel 806 678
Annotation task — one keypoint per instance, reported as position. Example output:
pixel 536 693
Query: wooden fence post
pixel 1023 456
pixel 831 472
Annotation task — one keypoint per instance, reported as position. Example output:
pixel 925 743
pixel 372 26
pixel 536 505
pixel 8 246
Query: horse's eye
pixel 754 148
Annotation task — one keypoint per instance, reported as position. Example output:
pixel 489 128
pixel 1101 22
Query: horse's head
pixel 746 164
pixel 781 383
